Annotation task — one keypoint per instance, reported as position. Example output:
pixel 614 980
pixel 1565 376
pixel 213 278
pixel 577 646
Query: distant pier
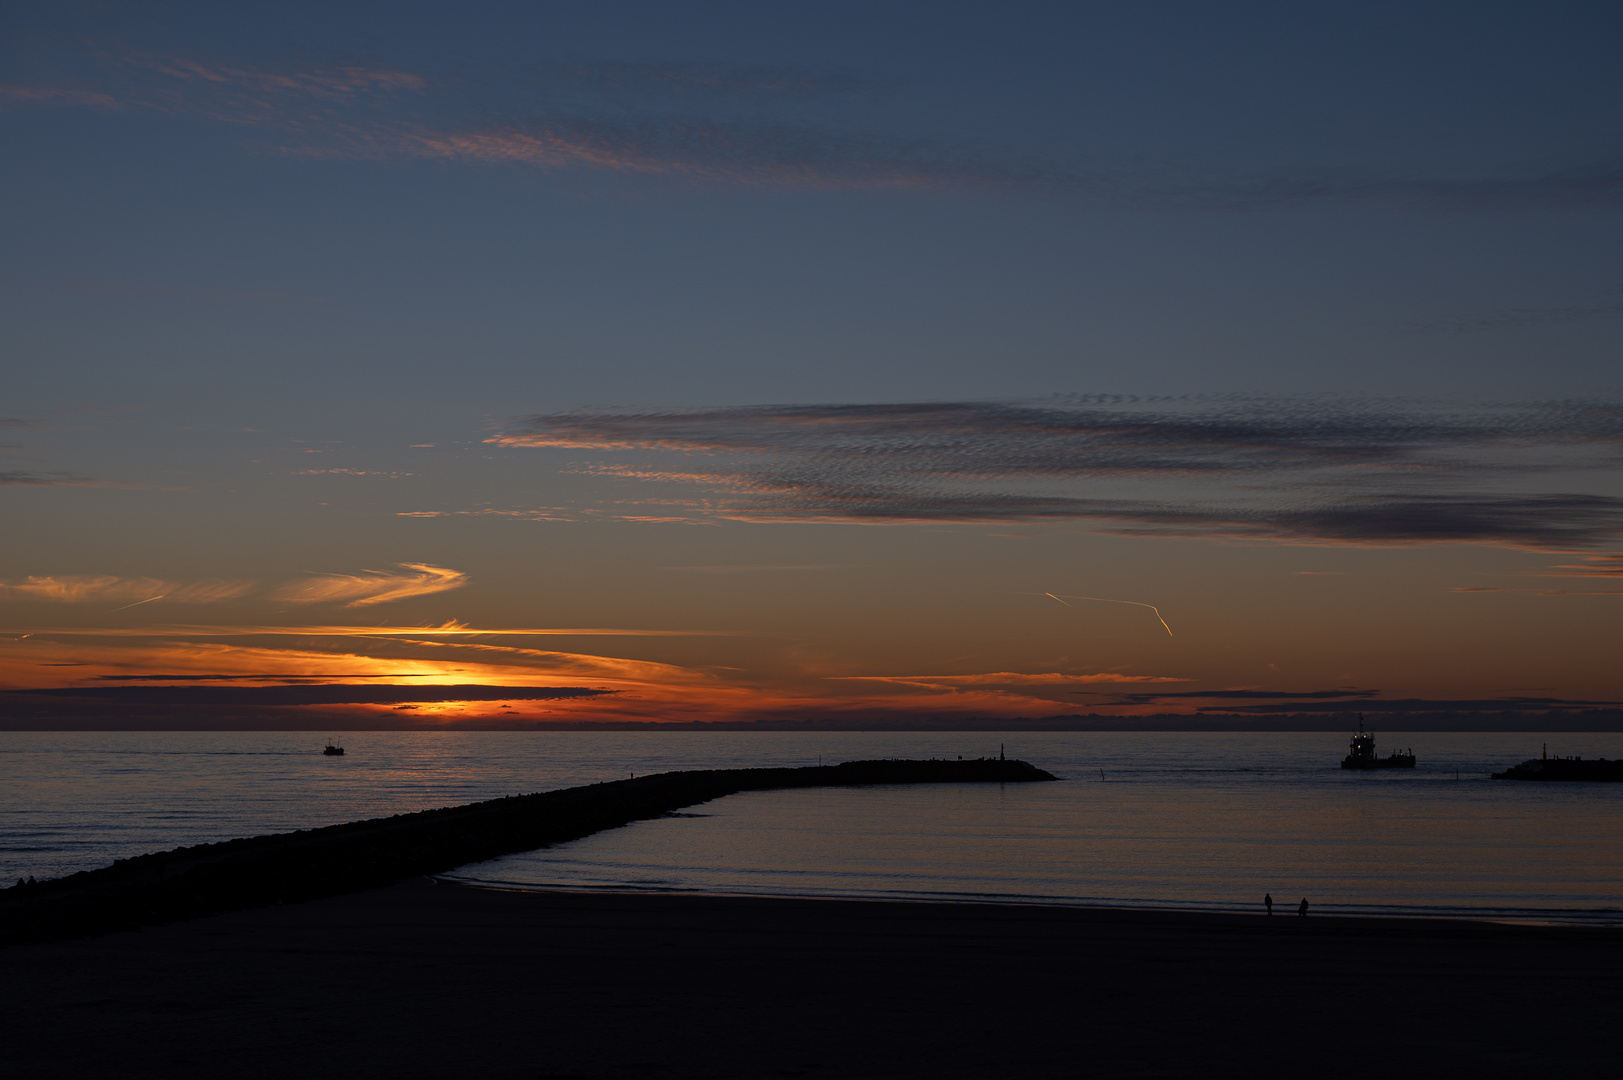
pixel 1573 768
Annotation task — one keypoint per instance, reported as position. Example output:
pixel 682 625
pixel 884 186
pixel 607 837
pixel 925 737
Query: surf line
pixel 1104 600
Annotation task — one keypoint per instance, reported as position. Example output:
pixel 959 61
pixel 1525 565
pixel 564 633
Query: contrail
pixel 1135 603
pixel 1052 596
pixel 138 603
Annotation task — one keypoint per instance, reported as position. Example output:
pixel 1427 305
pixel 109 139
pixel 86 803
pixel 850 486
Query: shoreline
pixel 433 980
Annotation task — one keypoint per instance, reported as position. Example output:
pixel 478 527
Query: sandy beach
pixel 434 980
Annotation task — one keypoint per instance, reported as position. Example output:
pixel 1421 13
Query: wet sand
pixel 426 980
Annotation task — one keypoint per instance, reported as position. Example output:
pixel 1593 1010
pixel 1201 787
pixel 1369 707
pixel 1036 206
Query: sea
pixel 1173 820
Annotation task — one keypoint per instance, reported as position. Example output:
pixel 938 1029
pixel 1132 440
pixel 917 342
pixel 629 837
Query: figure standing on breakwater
pixel 1268 902
pixel 1303 909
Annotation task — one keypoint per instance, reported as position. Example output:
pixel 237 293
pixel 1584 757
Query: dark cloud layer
pixel 1241 695
pixel 137 696
pixel 739 124
pixel 1089 434
pixel 1422 705
pixel 1311 470
pixel 1256 702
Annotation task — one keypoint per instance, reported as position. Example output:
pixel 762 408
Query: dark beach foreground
pixel 435 980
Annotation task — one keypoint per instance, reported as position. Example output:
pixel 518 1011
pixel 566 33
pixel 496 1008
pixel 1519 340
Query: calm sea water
pixel 1199 821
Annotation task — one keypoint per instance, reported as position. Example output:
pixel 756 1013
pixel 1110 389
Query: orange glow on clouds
pixel 372 586
pixel 106 588
pixel 642 689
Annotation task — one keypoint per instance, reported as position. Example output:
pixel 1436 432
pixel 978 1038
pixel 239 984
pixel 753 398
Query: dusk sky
pixel 430 364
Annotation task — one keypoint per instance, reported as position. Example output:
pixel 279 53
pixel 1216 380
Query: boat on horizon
pixel 333 749
pixel 1362 755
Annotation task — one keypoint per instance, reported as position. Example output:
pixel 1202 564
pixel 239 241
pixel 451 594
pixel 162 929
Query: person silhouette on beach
pixel 1268 902
pixel 1303 909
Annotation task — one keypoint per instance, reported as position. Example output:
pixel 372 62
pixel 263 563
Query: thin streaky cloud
pixel 1590 566
pixel 352 472
pixel 261 677
pixel 1007 678
pixel 138 603
pixel 1135 603
pixel 1516 318
pixel 546 513
pixel 49 95
pixel 1534 592
pixel 739 126
pixel 368 587
pixel 311 694
pixel 22 478
pixel 753 568
pixel 447 630
pixel 106 588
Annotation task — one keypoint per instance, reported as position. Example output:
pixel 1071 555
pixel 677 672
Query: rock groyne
pixel 286 868
pixel 1573 768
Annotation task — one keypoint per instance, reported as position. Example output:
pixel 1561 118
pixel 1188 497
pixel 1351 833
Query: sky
pixel 495 364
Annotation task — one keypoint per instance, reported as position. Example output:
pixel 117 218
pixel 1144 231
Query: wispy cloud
pixel 310 694
pixel 108 588
pixel 753 568
pixel 759 126
pixel 1517 318
pixel 1008 679
pixel 1607 567
pixel 33 477
pixel 543 513
pixel 351 472
pixel 1535 592
pixel 361 589
pixel 1312 470
pixel 258 676
pixel 55 95
pixel 698 121
pixel 448 630
pixel 1590 566
pixel 24 478
pixel 370 587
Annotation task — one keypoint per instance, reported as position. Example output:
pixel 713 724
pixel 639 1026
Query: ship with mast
pixel 1362 753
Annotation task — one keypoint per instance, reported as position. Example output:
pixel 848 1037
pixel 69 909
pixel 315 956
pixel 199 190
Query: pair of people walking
pixel 1268 902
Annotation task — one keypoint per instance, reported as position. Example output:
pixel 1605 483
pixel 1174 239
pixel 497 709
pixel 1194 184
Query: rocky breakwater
pixel 286 868
pixel 1573 768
